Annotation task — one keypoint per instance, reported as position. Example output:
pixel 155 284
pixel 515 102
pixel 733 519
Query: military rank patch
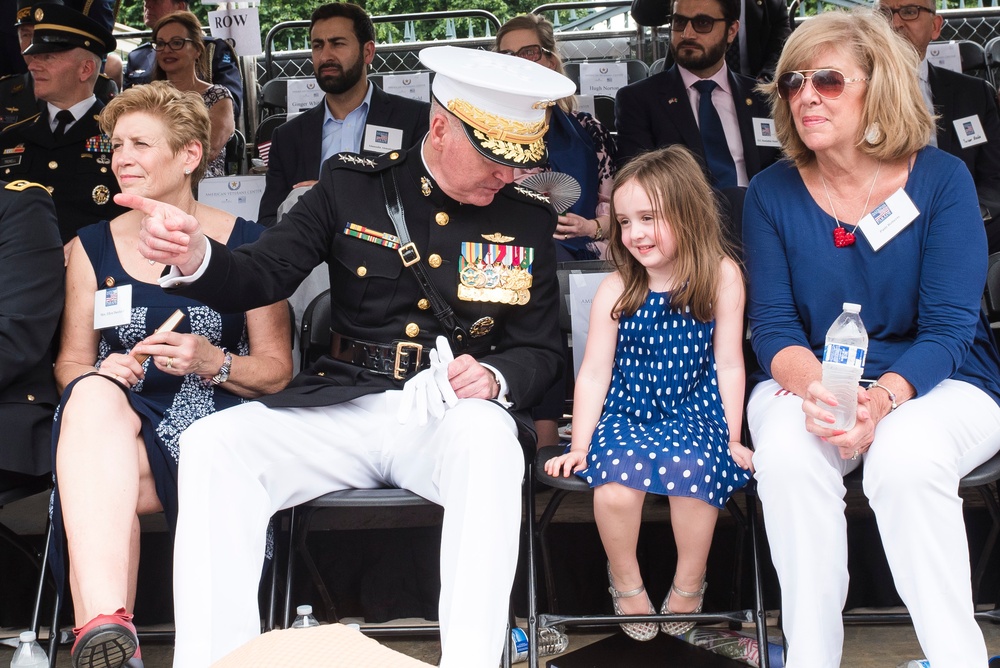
pixel 497 273
pixel 373 236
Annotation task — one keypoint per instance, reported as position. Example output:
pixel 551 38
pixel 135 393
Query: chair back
pixel 991 297
pixel 314 337
pixel 236 153
pixel 657 66
pixel 604 111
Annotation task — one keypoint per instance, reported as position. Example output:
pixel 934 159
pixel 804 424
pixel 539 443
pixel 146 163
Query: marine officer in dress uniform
pixel 485 247
pixel 62 147
pixel 17 91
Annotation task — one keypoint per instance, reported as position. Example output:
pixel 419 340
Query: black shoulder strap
pixel 411 258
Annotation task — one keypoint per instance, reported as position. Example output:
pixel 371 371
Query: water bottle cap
pixel 27 636
pixel 852 308
pixel 304 610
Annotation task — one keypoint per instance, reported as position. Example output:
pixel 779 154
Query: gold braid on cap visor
pixel 516 141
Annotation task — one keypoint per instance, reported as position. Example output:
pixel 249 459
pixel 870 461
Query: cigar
pixel 168 326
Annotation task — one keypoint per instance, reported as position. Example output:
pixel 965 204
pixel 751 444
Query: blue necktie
pixel 713 137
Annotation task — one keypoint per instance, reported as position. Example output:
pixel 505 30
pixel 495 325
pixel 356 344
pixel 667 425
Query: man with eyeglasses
pixel 62 147
pixel 352 115
pixel 699 102
pixel 968 126
pixel 142 59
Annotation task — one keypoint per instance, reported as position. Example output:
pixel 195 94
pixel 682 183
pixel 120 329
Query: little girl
pixel 665 358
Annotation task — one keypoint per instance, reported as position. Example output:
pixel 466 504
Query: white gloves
pixel 429 392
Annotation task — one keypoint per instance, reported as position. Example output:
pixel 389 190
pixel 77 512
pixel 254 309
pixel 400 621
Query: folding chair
pixel 746 523
pixel 315 342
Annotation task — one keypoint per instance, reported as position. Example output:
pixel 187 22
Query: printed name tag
pixel 380 139
pixel 888 219
pixel 970 131
pixel 113 306
pixel 763 132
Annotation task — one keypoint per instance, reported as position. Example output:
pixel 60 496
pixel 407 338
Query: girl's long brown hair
pixel 680 195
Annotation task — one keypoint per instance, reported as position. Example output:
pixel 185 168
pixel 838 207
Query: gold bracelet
pixel 600 232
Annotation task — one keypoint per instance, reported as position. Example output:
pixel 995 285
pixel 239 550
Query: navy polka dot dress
pixel 663 429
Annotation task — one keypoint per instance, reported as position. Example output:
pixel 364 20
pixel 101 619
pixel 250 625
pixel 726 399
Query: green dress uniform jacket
pixel 76 168
pixel 343 221
pixel 31 302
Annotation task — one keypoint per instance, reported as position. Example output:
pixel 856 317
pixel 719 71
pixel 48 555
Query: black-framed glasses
pixel 175 44
pixel 532 52
pixel 828 83
pixel 703 23
pixel 906 12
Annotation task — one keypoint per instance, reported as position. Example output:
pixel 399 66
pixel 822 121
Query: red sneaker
pixel 106 641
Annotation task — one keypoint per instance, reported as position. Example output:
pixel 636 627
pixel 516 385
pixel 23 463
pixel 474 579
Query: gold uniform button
pixel 412 330
pixel 362 271
pixel 321 373
pixel 31 397
pixel 394 156
pixel 53 164
pixel 434 261
pixel 423 304
pixel 441 218
pixel 6 171
pixel 104 170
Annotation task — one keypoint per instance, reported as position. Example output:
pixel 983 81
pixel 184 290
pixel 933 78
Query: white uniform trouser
pixel 911 476
pixel 240 466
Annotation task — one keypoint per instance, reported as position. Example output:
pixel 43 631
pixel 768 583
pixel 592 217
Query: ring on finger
pixel 170 362
pixel 855 456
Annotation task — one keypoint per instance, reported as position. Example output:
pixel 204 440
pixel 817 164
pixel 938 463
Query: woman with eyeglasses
pixel 863 210
pixel 181 59
pixel 578 145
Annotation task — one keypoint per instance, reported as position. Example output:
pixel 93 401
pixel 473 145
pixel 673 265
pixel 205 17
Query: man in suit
pixel 968 126
pixel 484 245
pixel 63 147
pixel 142 59
pixel 354 116
pixel 667 108
pixel 17 91
pixel 763 29
pixel 31 265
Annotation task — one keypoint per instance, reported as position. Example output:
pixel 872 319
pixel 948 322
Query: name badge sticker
pixel 113 306
pixel 380 139
pixel 888 219
pixel 970 131
pixel 764 133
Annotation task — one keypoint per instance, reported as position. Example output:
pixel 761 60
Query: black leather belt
pixel 399 359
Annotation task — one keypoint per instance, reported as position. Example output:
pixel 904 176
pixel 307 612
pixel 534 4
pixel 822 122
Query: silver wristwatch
pixel 223 374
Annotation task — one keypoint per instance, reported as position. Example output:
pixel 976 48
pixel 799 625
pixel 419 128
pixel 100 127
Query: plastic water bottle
pixel 922 663
pixel 29 654
pixel 304 617
pixel 843 365
pixel 550 641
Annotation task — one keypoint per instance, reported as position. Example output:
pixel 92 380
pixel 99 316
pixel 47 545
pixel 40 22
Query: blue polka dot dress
pixel 663 429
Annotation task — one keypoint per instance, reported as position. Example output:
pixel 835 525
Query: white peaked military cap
pixel 503 101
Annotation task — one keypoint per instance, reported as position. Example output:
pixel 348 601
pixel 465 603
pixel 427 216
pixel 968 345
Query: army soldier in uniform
pixel 62 147
pixel 32 269
pixel 485 248
pixel 17 91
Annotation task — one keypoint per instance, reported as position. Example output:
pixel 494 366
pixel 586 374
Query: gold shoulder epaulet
pixel 22 185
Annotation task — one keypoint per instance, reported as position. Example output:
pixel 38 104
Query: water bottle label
pixel 520 639
pixel 838 353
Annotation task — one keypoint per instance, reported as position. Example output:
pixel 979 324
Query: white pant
pixel 911 476
pixel 240 466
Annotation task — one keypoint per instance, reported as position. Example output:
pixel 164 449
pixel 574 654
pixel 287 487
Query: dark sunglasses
pixel 176 44
pixel 532 52
pixel 828 83
pixel 702 23
pixel 906 12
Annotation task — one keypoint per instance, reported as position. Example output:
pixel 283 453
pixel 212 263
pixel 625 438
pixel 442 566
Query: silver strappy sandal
pixel 641 631
pixel 679 628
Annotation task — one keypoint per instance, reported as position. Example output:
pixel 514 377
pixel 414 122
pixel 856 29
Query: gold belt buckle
pixel 403 348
